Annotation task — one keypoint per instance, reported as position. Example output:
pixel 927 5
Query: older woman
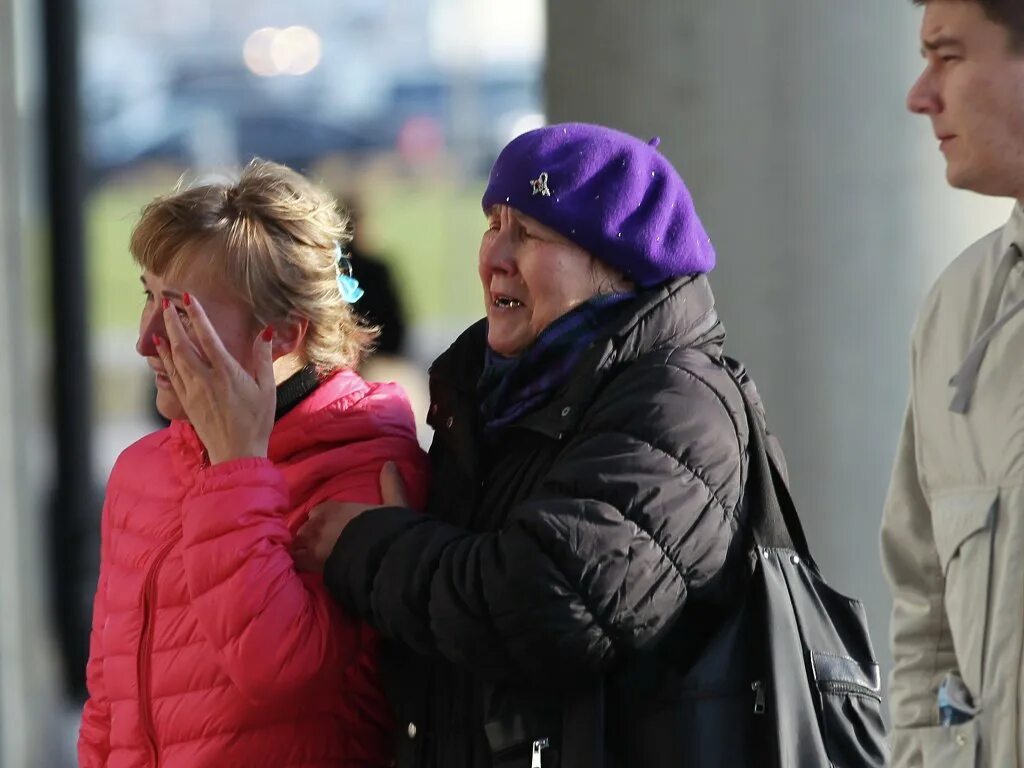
pixel 208 647
pixel 582 540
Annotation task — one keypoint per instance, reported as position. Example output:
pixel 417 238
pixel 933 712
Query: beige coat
pixel 953 530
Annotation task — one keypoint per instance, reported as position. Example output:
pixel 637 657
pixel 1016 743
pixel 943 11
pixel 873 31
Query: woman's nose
pixel 152 323
pixel 496 253
pixel 501 256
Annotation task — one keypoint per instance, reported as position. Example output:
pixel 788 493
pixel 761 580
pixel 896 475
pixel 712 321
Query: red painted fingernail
pixel 268 333
pixel 167 303
pixel 156 340
pixel 187 299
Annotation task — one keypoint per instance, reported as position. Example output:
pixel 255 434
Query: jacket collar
pixel 965 380
pixel 322 413
pixel 1013 230
pixel 679 313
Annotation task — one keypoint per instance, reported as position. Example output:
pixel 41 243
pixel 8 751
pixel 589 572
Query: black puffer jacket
pixel 594 547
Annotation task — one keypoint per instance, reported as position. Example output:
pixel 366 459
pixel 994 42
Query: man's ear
pixel 289 336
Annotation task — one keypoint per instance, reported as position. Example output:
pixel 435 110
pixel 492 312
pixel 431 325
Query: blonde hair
pixel 272 236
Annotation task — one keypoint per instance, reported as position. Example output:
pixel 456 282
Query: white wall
pixel 827 205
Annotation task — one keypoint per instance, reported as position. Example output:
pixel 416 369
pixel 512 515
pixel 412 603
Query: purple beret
pixel 610 193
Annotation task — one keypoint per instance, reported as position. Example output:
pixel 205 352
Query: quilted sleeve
pixel 275 629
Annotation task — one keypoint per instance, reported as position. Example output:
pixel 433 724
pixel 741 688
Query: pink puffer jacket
pixel 208 648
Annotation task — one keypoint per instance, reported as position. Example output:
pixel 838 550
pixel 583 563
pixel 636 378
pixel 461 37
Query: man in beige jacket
pixel 953 531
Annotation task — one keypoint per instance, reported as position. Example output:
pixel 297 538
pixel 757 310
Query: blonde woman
pixel 208 648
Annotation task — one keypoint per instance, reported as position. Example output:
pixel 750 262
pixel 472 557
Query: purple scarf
pixel 511 387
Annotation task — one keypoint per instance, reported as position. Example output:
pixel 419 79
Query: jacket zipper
pixel 145 657
pixel 539 746
pixel 759 700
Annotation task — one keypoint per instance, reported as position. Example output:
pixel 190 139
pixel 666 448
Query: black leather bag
pixel 788 680
pixel 817 684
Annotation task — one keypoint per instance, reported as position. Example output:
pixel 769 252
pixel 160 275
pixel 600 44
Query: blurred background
pixel 825 199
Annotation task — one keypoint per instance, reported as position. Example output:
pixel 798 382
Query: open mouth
pixel 506 302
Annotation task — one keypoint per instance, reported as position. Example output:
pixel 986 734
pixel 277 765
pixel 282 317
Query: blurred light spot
pixel 296 50
pixel 257 52
pixel 292 51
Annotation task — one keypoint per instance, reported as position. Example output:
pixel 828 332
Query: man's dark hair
pixel 1006 13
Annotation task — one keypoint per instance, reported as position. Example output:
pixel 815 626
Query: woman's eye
pixel 148 295
pixel 183 316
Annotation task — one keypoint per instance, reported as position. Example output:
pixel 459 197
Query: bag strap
pixel 773 518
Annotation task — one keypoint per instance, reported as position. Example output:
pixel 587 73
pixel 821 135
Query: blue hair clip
pixel 350 289
pixel 348 286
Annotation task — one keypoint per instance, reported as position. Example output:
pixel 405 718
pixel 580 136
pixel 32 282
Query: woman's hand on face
pixel 231 409
pixel 318 536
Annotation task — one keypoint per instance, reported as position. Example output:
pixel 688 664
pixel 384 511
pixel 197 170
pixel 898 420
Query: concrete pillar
pixel 827 204
pixel 28 702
